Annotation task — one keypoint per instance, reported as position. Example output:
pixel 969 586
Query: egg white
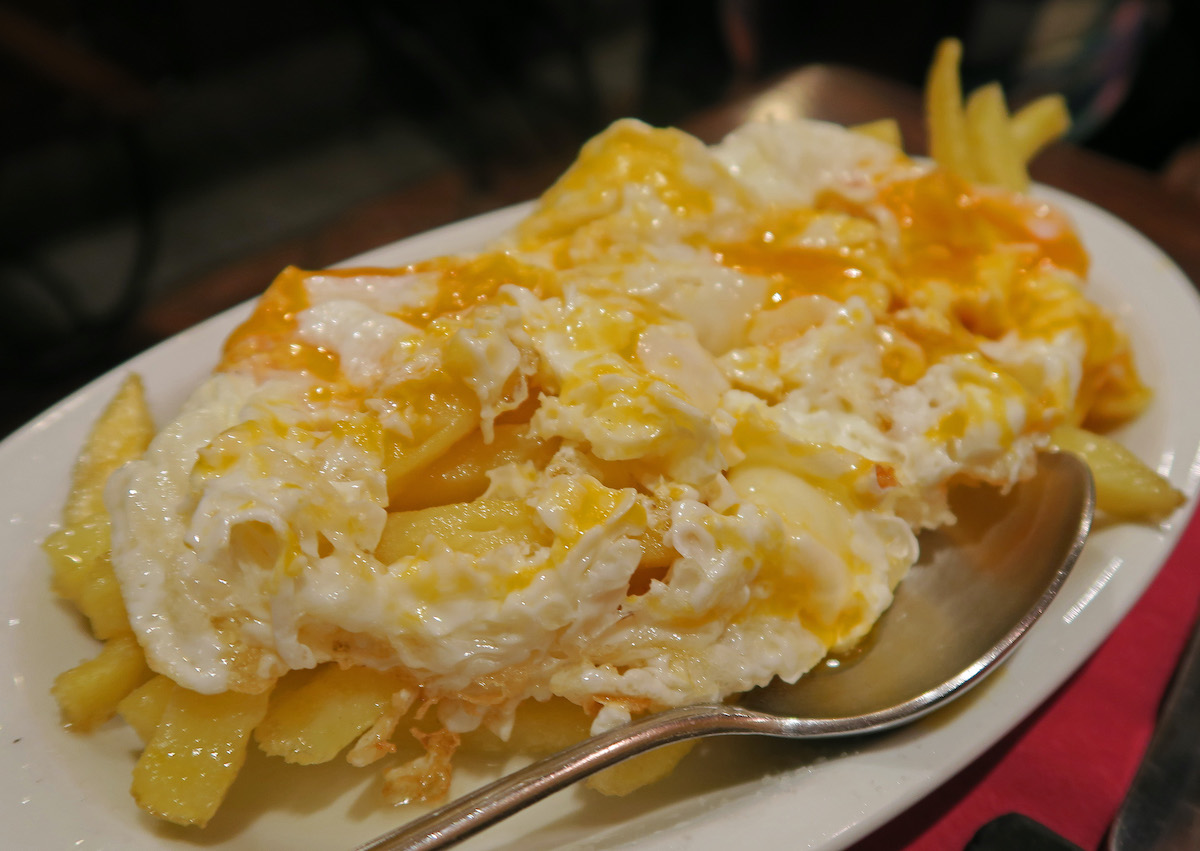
pixel 765 435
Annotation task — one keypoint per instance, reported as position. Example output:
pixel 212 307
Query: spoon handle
pixel 475 811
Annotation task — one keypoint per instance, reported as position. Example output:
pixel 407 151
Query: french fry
pixel 143 707
pixel 1125 487
pixel 474 527
pixel 1038 123
pixel 885 130
pixel 195 753
pixel 543 727
pixel 1119 402
pixel 80 570
pixel 540 727
pixel 981 142
pixel 947 124
pixel 641 770
pixel 88 694
pixel 122 432
pixel 72 551
pixel 993 151
pixel 313 723
pixel 101 602
pixel 446 414
pixel 460 474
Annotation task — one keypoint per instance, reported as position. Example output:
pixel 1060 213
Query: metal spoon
pixel 977 589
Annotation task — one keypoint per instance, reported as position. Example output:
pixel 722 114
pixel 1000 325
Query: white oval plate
pixel 61 790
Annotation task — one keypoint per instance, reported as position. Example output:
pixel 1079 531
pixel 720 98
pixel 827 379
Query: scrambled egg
pixel 671 437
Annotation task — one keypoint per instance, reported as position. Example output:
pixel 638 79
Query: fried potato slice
pixel 100 599
pixel 460 475
pixel 314 722
pixel 981 142
pixel 1038 123
pixel 995 155
pixel 641 770
pixel 143 707
pixel 884 129
pixel 1125 486
pixel 196 751
pixel 474 527
pixel 446 413
pixel 88 694
pixel 121 433
pixel 78 552
pixel 540 727
pixel 71 552
pixel 944 116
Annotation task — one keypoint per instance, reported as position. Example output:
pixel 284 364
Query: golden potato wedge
pixel 642 770
pixel 946 122
pixel 143 707
pixel 474 527
pixel 445 414
pixel 993 151
pixel 88 694
pixel 460 475
pixel 316 721
pixel 121 433
pixel 1125 486
pixel 101 602
pixel 540 727
pixel 885 130
pixel 72 551
pixel 80 571
pixel 1039 123
pixel 195 753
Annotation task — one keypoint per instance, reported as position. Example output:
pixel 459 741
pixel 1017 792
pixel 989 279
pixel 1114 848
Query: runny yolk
pixel 625 155
pixel 945 223
pixel 268 340
pixel 462 285
pixel 777 250
pixel 795 270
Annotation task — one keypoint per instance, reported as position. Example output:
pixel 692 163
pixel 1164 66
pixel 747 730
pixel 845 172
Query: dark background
pixel 146 145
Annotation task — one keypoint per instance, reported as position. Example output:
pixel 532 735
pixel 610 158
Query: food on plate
pixel 670 437
pixel 1125 487
pixel 980 141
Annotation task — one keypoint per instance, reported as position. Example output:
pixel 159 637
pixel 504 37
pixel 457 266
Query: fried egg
pixel 671 437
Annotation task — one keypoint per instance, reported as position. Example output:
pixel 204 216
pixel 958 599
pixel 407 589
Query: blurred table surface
pixel 1070 763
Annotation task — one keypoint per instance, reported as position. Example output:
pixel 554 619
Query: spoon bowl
pixel 976 589
pixel 973 595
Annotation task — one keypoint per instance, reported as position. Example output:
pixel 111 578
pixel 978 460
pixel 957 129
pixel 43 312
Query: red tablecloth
pixel 1069 765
